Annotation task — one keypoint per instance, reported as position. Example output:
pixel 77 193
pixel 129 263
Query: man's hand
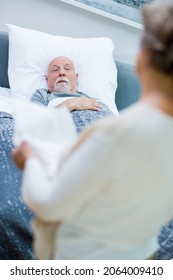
pixel 81 103
pixel 21 154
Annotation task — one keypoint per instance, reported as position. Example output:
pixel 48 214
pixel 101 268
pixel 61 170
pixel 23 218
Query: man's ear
pixel 77 76
pixel 142 61
pixel 46 76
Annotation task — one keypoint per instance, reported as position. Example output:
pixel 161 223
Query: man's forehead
pixel 60 64
pixel 61 61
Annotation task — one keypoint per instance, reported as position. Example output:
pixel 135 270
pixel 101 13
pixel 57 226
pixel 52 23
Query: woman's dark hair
pixel 157 36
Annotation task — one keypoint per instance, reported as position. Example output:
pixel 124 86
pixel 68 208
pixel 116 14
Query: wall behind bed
pixel 59 18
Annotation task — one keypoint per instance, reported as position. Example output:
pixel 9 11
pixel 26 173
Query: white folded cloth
pixel 57 101
pixel 50 132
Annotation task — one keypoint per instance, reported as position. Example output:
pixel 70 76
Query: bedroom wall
pixel 56 17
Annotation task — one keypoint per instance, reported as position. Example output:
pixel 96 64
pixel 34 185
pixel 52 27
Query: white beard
pixel 62 87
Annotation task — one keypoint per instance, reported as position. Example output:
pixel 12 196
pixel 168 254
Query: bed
pixel 15 231
pixel 16 237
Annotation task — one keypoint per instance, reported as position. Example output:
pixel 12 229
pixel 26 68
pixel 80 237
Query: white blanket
pixel 50 132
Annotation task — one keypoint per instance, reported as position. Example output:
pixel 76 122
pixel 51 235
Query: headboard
pixel 128 85
pixel 4 59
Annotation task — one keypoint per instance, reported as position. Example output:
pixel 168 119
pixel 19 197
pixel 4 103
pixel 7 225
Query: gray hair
pixel 157 36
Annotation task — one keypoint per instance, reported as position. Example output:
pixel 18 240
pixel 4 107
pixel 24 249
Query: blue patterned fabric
pixel 84 118
pixel 165 238
pixel 15 234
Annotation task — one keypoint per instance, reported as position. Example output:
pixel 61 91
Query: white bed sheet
pixel 6 100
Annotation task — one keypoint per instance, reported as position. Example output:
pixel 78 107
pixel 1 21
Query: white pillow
pixel 31 51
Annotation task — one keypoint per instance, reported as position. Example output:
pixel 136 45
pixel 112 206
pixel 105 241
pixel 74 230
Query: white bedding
pixel 50 139
pixel 5 100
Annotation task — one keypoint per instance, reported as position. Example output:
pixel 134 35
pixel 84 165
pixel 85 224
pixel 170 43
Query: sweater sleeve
pixel 40 97
pixel 82 177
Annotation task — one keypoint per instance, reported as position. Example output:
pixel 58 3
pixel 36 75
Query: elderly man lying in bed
pixel 15 218
pixel 62 91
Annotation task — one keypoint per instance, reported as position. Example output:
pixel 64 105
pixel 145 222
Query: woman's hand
pixel 21 154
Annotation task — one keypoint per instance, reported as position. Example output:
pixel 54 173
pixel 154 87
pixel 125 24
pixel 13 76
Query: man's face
pixel 62 76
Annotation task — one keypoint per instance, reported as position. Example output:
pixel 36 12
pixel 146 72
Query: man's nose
pixel 61 72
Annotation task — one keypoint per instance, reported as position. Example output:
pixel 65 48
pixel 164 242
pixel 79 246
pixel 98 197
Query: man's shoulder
pixel 40 96
pixel 42 91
